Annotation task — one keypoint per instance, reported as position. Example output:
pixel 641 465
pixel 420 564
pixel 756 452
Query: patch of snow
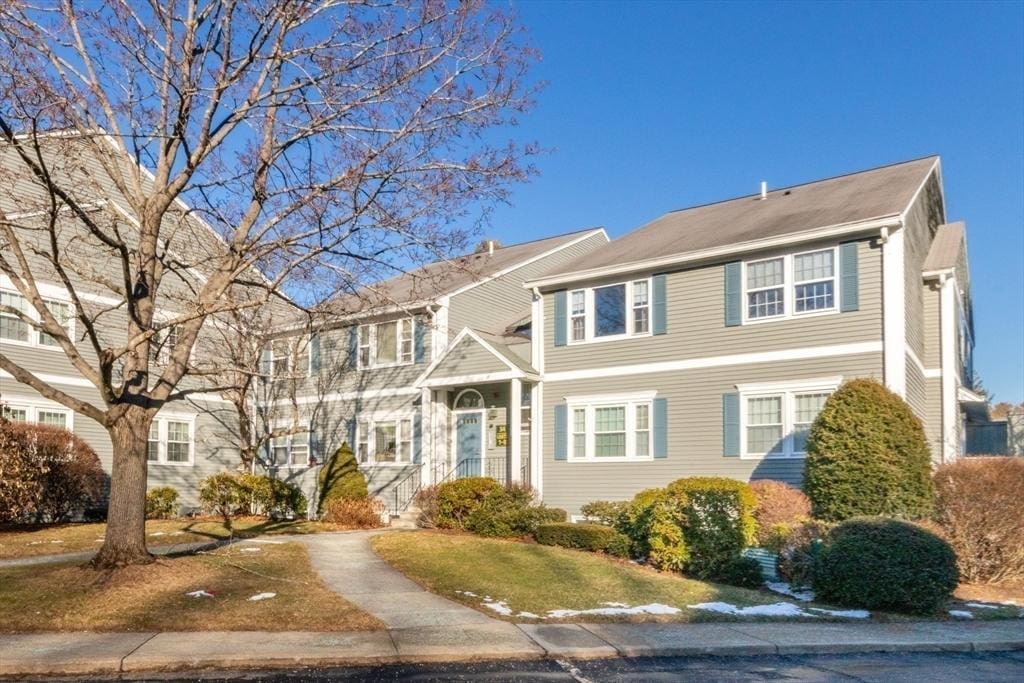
pixel 960 614
pixel 262 596
pixel 500 606
pixel 263 540
pixel 178 533
pixel 251 550
pixel 33 542
pixel 529 615
pixel 985 605
pixel 199 594
pixel 624 610
pixel 845 613
pixel 159 533
pixel 614 604
pixel 468 593
pixel 801 594
pixel 56 541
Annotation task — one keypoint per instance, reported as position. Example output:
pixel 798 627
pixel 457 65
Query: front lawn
pixel 154 597
pixel 52 539
pixel 525 582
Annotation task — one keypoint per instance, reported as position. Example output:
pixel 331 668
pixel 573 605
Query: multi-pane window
pixel 289 357
pixel 290 450
pixel 56 417
pixel 385 344
pixel 642 432
pixel 163 343
pixel 14 414
pixel 776 423
pixel 13 328
pixel 385 441
pixel 641 308
pixel 814 281
pixel 578 319
pixel 153 442
pixel 62 314
pixel 766 288
pixel 609 312
pixel 579 433
pixel 610 429
pixel 764 425
pixel 281 360
pixel 791 285
pixel 170 442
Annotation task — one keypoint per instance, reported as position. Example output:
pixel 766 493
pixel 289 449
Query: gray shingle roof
pixel 875 193
pixel 945 250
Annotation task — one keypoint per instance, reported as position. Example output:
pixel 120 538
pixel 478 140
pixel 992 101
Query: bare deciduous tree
pixel 314 138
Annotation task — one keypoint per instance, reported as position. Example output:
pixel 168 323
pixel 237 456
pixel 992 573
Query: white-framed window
pixel 163 342
pixel 290 450
pixel 615 311
pixel 790 285
pixel 43 412
pixel 289 358
pixel 386 344
pixel 171 441
pixel 610 428
pixel 384 441
pixel 776 420
pixel 14 329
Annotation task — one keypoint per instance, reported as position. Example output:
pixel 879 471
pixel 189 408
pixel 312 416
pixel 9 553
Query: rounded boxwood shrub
pixel 741 571
pixel 718 521
pixel 607 512
pixel 887 564
pixel 340 478
pixel 867 455
pixel 455 500
pixel 592 537
pixel 162 503
pixel 653 522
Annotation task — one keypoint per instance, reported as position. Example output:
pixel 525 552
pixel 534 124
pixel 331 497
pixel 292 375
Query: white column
pixel 948 360
pixel 426 436
pixel 440 429
pixel 515 419
pixel 536 438
pixel 894 323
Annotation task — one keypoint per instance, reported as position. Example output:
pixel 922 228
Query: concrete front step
pixel 407 519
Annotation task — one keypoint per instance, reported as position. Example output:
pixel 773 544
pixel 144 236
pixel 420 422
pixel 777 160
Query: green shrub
pixel 867 455
pixel 221 494
pixel 779 509
pixel 619 545
pixel 878 563
pixel 718 521
pixel 653 522
pixel 162 503
pixel 592 537
pixel 455 501
pixel 607 512
pixel 510 511
pixel 340 478
pixel 799 551
pixel 740 571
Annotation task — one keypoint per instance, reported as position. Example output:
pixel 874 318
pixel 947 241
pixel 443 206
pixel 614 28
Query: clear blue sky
pixel 653 107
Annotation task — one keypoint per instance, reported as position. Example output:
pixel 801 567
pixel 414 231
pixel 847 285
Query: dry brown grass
pixel 53 539
pixel 1007 591
pixel 153 597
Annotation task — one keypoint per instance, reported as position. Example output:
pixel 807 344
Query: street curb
pixel 77 654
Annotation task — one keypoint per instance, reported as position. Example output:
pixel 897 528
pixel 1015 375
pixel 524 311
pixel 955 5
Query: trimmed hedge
pixel 340 478
pixel 455 500
pixel 718 521
pixel 592 537
pixel 228 495
pixel 888 564
pixel 607 512
pixel 162 503
pixel 653 522
pixel 867 455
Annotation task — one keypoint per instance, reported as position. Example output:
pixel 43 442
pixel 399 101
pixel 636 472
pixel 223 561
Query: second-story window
pixel 610 311
pixel 13 328
pixel 163 343
pixel 766 288
pixel 791 285
pixel 61 311
pixel 814 281
pixel 281 360
pixel 385 344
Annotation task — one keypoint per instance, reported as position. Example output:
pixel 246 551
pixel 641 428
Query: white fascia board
pixel 840 230
pixel 53 291
pixel 619 397
pixel 481 378
pixel 790 385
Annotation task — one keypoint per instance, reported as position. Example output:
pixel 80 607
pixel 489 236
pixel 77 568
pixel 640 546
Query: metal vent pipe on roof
pixel 764 189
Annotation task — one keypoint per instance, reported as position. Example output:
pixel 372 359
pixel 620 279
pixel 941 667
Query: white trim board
pixel 514 371
pixel 346 396
pixel 805 353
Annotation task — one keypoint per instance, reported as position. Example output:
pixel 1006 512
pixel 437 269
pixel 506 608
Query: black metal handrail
pixel 404 492
pixel 496 468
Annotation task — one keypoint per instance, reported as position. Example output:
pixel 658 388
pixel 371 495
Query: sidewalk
pixel 73 654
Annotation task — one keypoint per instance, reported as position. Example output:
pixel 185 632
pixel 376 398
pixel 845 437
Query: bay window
pixel 610 429
pixel 384 441
pixel 790 285
pixel 386 344
pixel 777 420
pixel 609 312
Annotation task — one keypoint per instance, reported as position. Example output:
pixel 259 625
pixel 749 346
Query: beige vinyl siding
pixel 696 322
pixel 923 219
pixel 694 428
pixel 916 392
pixel 469 358
pixel 492 306
pixel 932 313
pixel 933 416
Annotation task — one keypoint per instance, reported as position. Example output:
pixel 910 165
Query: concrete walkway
pixel 86 555
pixel 350 568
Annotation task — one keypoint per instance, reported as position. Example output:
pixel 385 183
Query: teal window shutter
pixel 352 434
pixel 560 318
pixel 660 428
pixel 417 438
pixel 658 312
pixel 265 362
pixel 730 425
pixel 419 340
pixel 314 353
pixel 353 347
pixel 733 294
pixel 561 425
pixel 314 443
pixel 849 283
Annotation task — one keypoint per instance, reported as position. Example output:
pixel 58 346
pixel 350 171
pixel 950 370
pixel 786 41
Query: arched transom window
pixel 470 398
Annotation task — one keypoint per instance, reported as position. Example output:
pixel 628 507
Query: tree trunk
pixel 125 539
